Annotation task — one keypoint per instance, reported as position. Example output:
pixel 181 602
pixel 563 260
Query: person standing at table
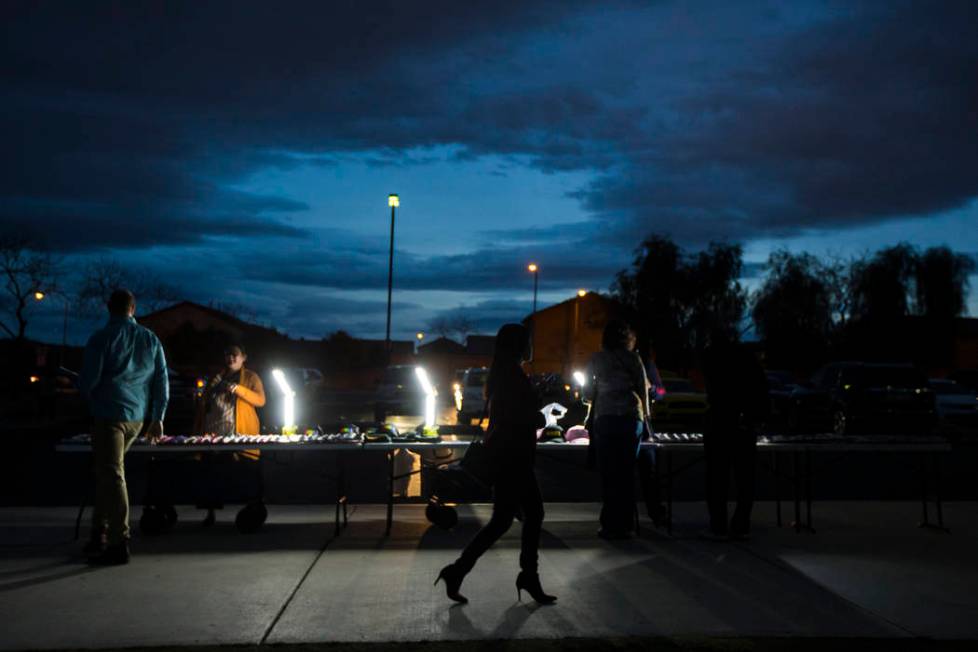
pixel 511 447
pixel 227 408
pixel 737 394
pixel 619 394
pixel 124 380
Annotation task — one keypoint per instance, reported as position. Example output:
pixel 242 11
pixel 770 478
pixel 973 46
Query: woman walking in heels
pixel 511 446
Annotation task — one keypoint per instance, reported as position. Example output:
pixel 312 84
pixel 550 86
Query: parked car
pixel 399 393
pixel 678 406
pixel 781 388
pixel 855 397
pixel 469 400
pixel 957 405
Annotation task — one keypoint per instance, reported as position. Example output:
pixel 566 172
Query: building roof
pixel 590 296
pixel 442 346
pixel 214 313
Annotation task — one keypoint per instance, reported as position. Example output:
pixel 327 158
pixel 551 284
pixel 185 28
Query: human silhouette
pixel 510 444
pixel 737 393
pixel 619 393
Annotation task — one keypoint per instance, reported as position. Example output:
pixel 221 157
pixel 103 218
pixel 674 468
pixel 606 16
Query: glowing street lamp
pixel 420 336
pixel 429 397
pixel 580 378
pixel 582 293
pixel 288 396
pixel 393 201
pixel 38 296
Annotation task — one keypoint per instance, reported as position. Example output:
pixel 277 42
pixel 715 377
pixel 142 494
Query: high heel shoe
pixel 530 582
pixel 452 577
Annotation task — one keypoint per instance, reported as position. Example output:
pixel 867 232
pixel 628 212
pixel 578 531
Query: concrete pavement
pixel 868 573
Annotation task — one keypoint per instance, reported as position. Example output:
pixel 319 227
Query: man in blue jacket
pixel 124 380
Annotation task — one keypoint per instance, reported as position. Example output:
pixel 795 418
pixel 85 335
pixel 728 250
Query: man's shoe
pixel 113 555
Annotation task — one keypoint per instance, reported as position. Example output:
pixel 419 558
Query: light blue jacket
pixel 124 373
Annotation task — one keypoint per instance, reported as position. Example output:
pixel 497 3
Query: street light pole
pixel 535 270
pixel 393 201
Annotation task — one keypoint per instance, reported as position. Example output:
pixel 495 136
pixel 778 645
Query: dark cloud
pixel 487 316
pixel 131 125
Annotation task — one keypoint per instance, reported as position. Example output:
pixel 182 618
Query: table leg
pixel 669 491
pixel 808 492
pixel 925 496
pixel 922 467
pixel 777 486
pixel 796 481
pixel 390 492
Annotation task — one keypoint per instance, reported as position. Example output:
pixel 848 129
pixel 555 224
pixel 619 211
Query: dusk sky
pixel 244 151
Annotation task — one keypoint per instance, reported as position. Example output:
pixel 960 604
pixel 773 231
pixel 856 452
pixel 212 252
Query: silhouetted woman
pixel 619 392
pixel 511 446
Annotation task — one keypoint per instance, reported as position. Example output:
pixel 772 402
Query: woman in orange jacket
pixel 228 404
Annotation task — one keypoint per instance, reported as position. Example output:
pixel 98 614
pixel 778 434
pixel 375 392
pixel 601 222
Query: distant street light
pixel 38 296
pixel 393 201
pixel 582 293
pixel 420 336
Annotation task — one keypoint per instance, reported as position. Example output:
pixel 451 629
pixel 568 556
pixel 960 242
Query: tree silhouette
pixel 942 283
pixel 795 310
pixel 25 271
pixel 881 287
pixel 679 299
pixel 105 275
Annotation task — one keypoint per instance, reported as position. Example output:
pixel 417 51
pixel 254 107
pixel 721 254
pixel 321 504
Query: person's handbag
pixel 477 462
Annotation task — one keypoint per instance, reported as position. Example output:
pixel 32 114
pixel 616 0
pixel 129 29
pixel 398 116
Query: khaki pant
pixel 110 441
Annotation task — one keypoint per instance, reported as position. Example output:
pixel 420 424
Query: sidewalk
pixel 869 572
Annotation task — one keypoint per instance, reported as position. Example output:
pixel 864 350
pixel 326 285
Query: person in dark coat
pixel 510 442
pixel 737 393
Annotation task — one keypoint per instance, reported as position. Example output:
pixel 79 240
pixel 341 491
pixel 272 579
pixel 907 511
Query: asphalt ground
pixel 868 578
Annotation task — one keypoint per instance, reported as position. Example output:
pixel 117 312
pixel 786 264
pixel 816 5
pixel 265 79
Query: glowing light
pixel 582 293
pixel 457 390
pixel 532 267
pixel 200 383
pixel 429 396
pixel 580 378
pixel 420 336
pixel 393 201
pixel 34 379
pixel 288 411
pixel 38 296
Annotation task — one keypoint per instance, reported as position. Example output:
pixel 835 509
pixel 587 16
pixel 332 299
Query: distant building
pixel 194 337
pixel 565 335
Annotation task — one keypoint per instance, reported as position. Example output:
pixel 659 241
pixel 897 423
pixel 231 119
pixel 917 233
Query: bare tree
pixel 456 323
pixel 105 275
pixel 26 272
